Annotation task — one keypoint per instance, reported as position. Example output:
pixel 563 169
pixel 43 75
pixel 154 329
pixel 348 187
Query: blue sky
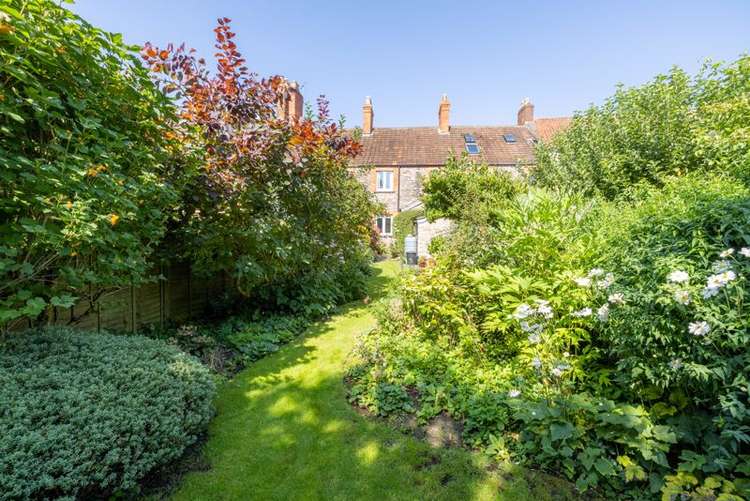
pixel 486 56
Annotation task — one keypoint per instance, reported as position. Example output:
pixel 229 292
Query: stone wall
pixel 427 231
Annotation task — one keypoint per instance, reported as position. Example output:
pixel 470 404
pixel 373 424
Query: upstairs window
pixel 384 180
pixel 472 148
pixel 509 138
pixel 384 225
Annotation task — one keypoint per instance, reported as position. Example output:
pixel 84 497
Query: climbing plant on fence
pixel 84 135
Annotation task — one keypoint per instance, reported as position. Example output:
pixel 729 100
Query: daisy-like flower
pixel 585 312
pixel 603 313
pixel 583 282
pixel 678 277
pixel 595 272
pixel 566 354
pixel 682 297
pixel 514 393
pixel 616 298
pixel 726 253
pixel 700 328
pixel 536 363
pixel 535 338
pixel 523 311
pixel 745 251
pixel 675 364
pixel 4 18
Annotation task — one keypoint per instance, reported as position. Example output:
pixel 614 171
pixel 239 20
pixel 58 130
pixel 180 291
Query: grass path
pixel 284 430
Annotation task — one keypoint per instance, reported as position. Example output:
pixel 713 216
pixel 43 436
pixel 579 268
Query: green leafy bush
pixel 670 126
pixel 87 415
pixel 584 352
pixel 83 149
pixel 403 225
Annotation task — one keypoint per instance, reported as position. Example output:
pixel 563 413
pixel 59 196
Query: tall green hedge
pixel 83 147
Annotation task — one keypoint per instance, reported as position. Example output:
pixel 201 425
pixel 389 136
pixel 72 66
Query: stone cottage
pixel 395 160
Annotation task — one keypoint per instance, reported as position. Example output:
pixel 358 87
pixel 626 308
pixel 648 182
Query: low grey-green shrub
pixel 86 414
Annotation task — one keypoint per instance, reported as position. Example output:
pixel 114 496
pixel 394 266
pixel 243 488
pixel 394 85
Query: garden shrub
pixel 403 225
pixel 269 201
pixel 575 352
pixel 673 125
pixel 87 415
pixel 84 149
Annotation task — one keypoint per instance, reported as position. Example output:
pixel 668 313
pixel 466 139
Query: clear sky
pixel 485 55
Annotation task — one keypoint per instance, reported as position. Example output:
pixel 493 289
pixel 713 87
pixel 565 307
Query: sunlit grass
pixel 284 430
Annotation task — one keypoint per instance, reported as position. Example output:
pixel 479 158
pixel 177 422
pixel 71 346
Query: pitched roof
pixel 424 146
pixel 546 128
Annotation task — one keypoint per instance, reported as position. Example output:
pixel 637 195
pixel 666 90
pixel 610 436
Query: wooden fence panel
pixel 176 296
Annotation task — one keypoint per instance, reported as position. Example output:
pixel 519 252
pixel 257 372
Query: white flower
pixel 4 18
pixel 583 282
pixel 603 313
pixel 566 354
pixel 596 272
pixel 616 298
pixel 726 253
pixel 745 251
pixel 608 280
pixel 700 328
pixel 536 363
pixel 728 276
pixel 523 311
pixel 675 364
pixel 559 369
pixel 678 276
pixel 719 280
pixel 526 327
pixel 585 312
pixel 534 338
pixel 545 311
pixel 721 266
pixel 710 292
pixel 514 393
pixel 682 297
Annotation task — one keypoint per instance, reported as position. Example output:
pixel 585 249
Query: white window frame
pixel 384 222
pixel 387 175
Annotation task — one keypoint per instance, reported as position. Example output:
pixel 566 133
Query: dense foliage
pixel 108 157
pixel 87 415
pixel 271 201
pixel 83 150
pixel 601 339
pixel 673 125
pixel 403 225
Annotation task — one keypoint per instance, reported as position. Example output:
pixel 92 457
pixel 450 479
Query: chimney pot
pixel 444 115
pixel 367 116
pixel 526 112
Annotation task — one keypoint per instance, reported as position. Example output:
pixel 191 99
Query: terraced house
pixel 395 160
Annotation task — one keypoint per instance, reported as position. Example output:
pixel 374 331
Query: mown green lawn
pixel 285 430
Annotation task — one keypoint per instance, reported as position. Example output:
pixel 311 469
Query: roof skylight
pixel 472 148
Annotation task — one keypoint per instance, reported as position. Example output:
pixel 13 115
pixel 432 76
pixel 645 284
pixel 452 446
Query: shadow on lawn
pixel 285 430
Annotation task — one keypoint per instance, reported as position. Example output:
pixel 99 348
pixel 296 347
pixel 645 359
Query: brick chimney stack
pixel 526 112
pixel 294 109
pixel 289 106
pixel 444 115
pixel 367 115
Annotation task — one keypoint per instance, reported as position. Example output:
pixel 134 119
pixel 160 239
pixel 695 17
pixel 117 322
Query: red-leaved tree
pixel 267 198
